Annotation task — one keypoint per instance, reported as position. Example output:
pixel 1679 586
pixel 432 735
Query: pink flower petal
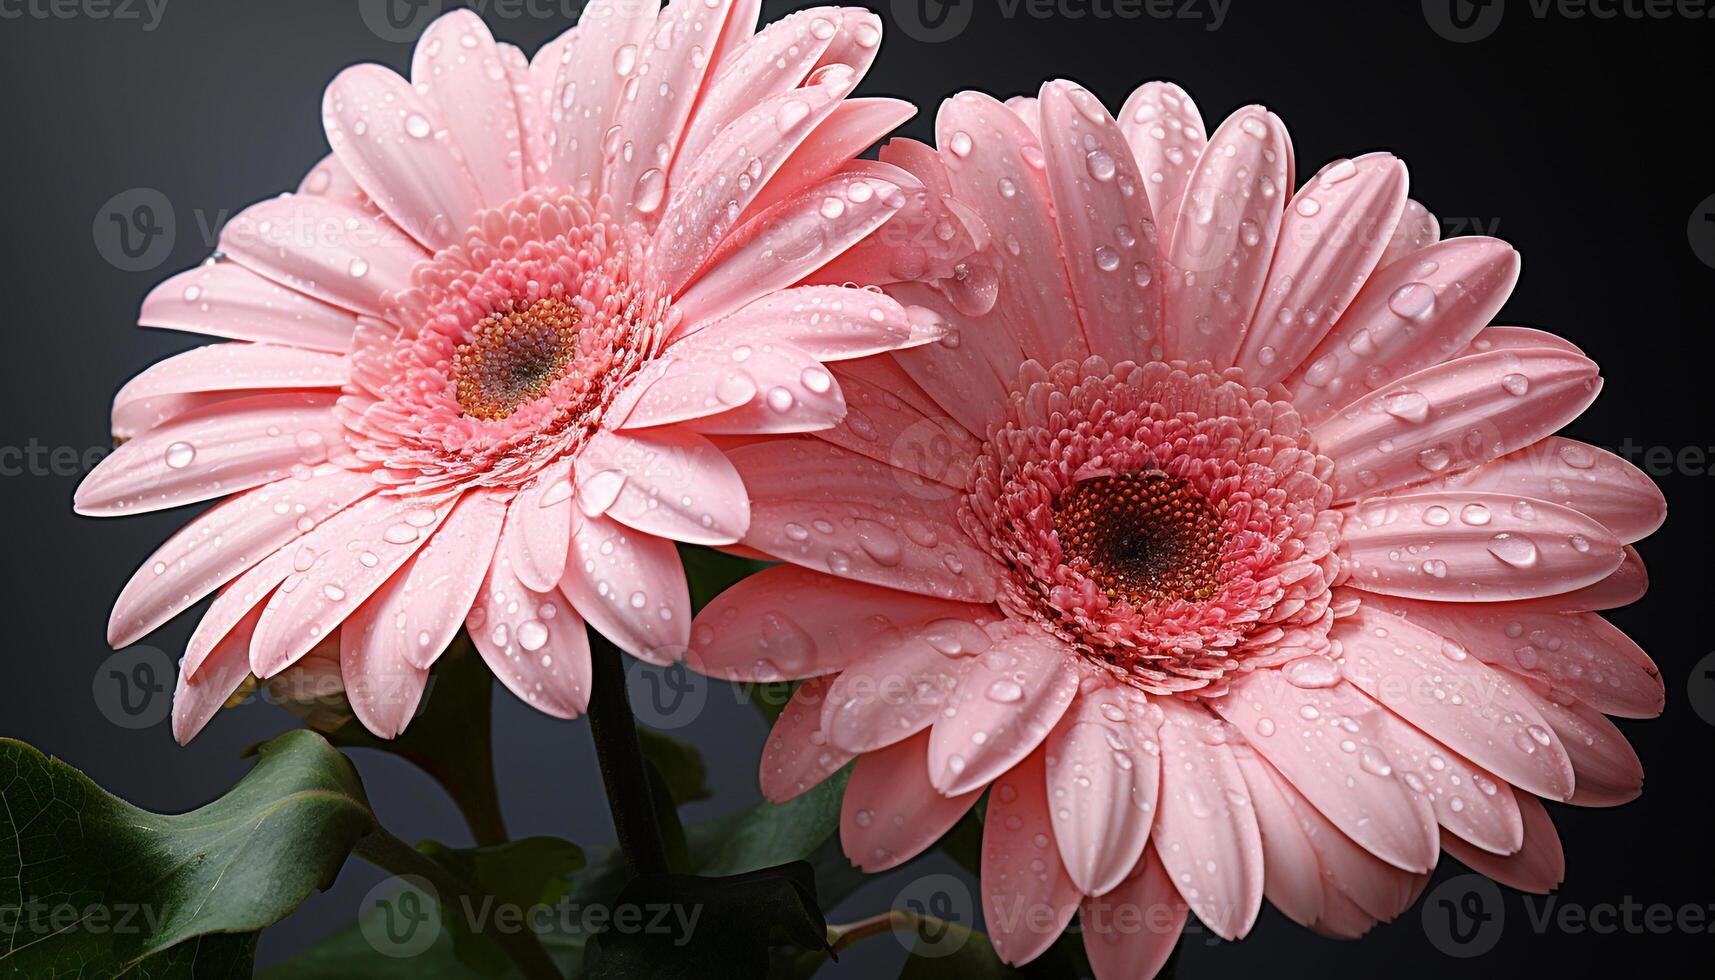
pixel 330 179
pixel 538 533
pixel 323 249
pixel 225 541
pixel 1292 873
pixel 1626 585
pixel 1462 703
pixel 1167 137
pixel 1206 831
pixel 1328 741
pixel 595 60
pixel 1580 654
pixel 790 623
pixel 1474 547
pixel 854 126
pixel 182 383
pixel 901 688
pixel 1608 770
pixel 890 813
pixel 429 598
pixel 732 382
pixel 1027 896
pixel 213 451
pixel 1117 942
pixel 1409 316
pixel 1454 416
pixel 631 587
pixel 1475 805
pixel 224 299
pixel 1591 481
pixel 970 370
pixel 1417 230
pixel 1223 236
pixel 1008 701
pixel 1102 786
pixel 1517 338
pixel 831 323
pixel 892 421
pixel 822 507
pixel 1114 260
pixel 1538 868
pixel 458 66
pixel 534 642
pixel 397 145
pixel 383 688
pixel 673 484
pixel 797 757
pixel 1330 241
pixel 225 668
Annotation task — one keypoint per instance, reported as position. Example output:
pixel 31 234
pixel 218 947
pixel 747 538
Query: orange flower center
pixel 1142 537
pixel 515 356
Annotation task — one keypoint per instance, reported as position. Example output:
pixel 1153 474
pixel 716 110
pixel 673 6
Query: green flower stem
pixel 623 770
pixel 393 855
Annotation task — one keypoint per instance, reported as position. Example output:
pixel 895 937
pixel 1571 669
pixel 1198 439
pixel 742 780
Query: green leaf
pixel 532 871
pixel 946 949
pixel 700 928
pixel 220 956
pixel 768 834
pixel 450 738
pixel 680 765
pixel 117 885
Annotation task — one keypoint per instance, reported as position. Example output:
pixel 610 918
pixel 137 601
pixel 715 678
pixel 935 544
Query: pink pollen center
pixel 1143 537
pixel 514 357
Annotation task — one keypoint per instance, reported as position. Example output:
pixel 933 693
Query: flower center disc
pixel 1143 537
pixel 515 356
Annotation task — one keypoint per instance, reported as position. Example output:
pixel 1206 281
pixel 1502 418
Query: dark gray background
pixel 1583 141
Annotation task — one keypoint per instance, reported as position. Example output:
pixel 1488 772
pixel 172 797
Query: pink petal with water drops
pixel 459 67
pixel 1331 238
pixel 1206 830
pixel 822 507
pixel 330 179
pixel 734 383
pixel 1133 930
pixel 225 541
pixel 1167 138
pixel 538 532
pixel 902 686
pixel 224 299
pixel 1028 109
pixel 595 60
pixel 1517 338
pixel 397 145
pixel 1461 702
pixel 1472 803
pixel 655 104
pixel 534 642
pixel 790 623
pixel 1538 868
pixel 382 687
pixel 791 240
pixel 1581 654
pixel 1473 547
pixel 731 172
pixel 429 598
pixel 330 251
pixel 854 126
pixel 971 369
pixel 890 813
pixel 1591 481
pixel 1626 585
pixel 1009 699
pixel 797 757
pixel 1223 237
pixel 241 598
pixel 182 383
pixel 1409 316
pixel 890 420
pixel 334 569
pixel 1454 416
pixel 1327 739
pixel 1608 769
pixel 1027 896
pixel 831 323
pixel 224 670
pixel 1104 777
pixel 1292 873
pixel 1417 230
pixel 529 99
pixel 997 168
pixel 631 587
pixel 667 482
pixel 220 449
pixel 1108 236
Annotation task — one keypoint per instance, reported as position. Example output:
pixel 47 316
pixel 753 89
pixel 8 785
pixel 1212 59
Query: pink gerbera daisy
pixel 1221 540
pixel 482 347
